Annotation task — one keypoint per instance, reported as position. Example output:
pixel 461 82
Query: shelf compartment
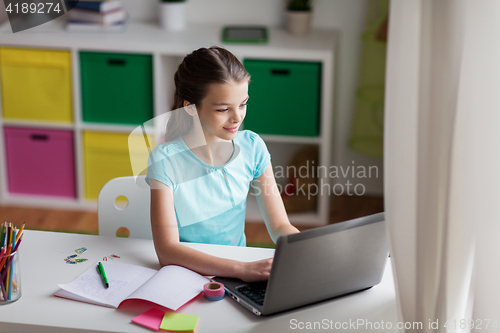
pixel 107 156
pixel 40 161
pixel 116 87
pixel 253 215
pixel 284 97
pixel 304 158
pixel 36 84
pixel 291 139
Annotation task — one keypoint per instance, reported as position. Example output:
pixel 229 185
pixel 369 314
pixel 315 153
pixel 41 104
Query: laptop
pixel 317 264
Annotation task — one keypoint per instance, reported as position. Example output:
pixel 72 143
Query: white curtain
pixel 442 162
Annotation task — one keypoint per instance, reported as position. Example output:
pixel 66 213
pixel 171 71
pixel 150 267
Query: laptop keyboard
pixel 255 291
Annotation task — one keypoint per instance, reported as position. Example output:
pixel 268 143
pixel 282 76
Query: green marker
pixel 102 273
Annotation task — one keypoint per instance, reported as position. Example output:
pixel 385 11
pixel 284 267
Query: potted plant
pixel 298 16
pixel 173 14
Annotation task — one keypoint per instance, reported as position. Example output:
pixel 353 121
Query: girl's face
pixel 223 109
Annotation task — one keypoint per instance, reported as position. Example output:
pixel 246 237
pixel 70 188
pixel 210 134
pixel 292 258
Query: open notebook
pixel 171 287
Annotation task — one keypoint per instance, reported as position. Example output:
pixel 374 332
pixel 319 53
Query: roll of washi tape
pixel 213 291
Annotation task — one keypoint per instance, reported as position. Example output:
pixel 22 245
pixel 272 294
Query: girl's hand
pixel 256 270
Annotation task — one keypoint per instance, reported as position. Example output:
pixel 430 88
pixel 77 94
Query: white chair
pixel 134 217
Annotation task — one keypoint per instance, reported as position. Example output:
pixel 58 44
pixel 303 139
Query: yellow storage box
pixel 106 156
pixel 36 84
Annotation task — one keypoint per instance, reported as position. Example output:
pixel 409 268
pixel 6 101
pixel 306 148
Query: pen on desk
pixel 102 273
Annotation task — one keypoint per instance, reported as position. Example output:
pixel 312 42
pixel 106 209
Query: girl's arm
pixel 271 205
pixel 171 252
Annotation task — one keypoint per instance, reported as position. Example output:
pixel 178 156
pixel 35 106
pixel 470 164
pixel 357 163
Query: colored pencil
pixel 11 238
pixel 7 265
pixel 20 231
pixel 4 233
pixel 8 281
pixel 9 249
pixel 4 294
pixel 7 233
pixel 4 259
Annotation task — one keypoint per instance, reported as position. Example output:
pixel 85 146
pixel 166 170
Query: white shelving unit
pixel 167 50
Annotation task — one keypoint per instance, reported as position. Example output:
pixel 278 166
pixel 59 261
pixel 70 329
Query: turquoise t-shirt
pixel 210 201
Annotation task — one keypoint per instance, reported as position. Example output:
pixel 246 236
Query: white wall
pixel 347 16
pixel 267 12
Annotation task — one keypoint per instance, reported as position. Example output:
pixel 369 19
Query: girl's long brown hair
pixel 195 73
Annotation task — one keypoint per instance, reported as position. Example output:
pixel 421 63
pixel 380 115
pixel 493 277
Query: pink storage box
pixel 40 161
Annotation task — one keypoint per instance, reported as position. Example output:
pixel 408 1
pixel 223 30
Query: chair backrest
pixel 135 216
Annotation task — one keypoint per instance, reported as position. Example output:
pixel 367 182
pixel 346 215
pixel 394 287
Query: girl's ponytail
pixel 195 73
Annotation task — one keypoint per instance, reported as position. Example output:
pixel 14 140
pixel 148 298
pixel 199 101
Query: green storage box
pixel 116 88
pixel 284 97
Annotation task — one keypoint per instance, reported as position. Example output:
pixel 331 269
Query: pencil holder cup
pixel 10 278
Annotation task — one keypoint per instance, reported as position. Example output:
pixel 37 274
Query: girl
pixel 200 176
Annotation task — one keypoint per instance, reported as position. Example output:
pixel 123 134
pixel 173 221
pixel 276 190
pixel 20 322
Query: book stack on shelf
pixel 96 16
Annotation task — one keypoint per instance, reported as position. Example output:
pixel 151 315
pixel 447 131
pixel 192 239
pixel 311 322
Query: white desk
pixel 43 267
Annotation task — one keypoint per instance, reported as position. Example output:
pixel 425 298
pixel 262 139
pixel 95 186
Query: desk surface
pixel 43 268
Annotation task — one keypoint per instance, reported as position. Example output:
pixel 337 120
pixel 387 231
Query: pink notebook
pixel 150 319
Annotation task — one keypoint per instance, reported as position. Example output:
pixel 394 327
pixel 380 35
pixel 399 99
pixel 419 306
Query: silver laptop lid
pixel 325 262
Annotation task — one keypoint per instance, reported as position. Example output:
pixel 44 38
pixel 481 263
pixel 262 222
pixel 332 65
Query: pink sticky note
pixel 150 319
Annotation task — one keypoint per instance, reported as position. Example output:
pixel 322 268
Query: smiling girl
pixel 201 175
